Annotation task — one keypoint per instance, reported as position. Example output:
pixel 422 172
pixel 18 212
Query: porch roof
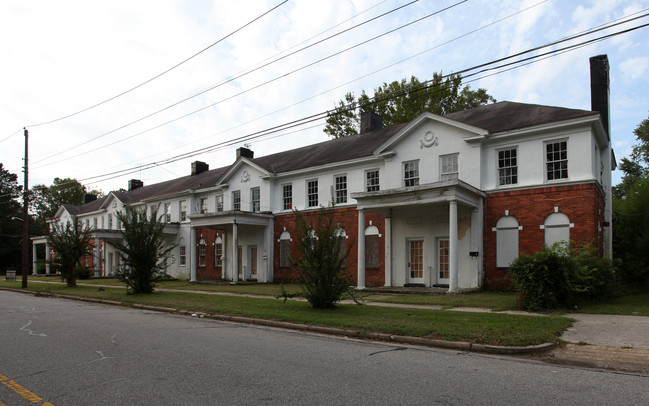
pixel 231 217
pixel 426 194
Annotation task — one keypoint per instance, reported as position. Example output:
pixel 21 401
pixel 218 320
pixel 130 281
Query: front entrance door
pixel 252 260
pixel 442 262
pixel 416 261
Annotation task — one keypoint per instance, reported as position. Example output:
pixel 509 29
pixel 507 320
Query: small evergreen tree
pixel 143 252
pixel 320 264
pixel 70 242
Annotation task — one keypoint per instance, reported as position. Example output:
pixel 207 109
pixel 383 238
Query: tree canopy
pixel 46 200
pixel 631 211
pixel 401 101
pixel 10 219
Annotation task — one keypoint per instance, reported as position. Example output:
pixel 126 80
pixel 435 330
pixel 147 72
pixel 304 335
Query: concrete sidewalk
pixel 604 341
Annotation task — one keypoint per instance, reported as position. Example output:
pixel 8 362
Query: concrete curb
pixel 450 345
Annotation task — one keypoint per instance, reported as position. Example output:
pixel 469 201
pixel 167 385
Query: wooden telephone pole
pixel 26 216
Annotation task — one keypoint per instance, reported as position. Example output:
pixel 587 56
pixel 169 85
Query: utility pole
pixel 25 215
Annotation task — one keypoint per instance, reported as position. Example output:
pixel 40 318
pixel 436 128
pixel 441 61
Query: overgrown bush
pixel 70 242
pixel 562 277
pixel 320 265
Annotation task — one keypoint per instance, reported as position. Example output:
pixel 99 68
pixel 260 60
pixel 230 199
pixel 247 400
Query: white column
pixel 47 259
pixel 269 250
pixel 388 251
pixel 235 252
pixel 224 268
pixel 192 255
pixel 452 245
pixel 361 250
pixel 34 259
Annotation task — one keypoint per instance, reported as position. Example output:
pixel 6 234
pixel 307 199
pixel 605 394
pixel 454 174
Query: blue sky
pixel 61 57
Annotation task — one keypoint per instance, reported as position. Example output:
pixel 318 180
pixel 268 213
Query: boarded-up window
pixel 371 251
pixel 506 241
pixel 557 229
pixel 372 247
pixel 285 250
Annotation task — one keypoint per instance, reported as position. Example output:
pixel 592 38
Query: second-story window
pixel 312 193
pixel 183 210
pixel 255 200
pixel 341 188
pixel 203 205
pixel 448 167
pixel 287 197
pixel 219 203
pixel 556 160
pixel 507 167
pixel 372 181
pixel 236 200
pixel 411 173
pixel 110 221
pixel 167 208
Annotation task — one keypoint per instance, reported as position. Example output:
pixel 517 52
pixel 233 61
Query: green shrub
pixel 562 277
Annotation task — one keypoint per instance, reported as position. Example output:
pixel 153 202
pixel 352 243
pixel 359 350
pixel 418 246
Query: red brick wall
pixel 583 204
pixel 209 272
pixel 348 219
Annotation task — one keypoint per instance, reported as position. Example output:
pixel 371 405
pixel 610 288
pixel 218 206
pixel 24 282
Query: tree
pixel 70 242
pixel 631 212
pixel 320 264
pixel 143 251
pixel 400 102
pixel 46 200
pixel 10 220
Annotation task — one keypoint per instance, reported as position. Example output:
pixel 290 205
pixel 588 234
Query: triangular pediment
pixel 421 120
pixel 242 167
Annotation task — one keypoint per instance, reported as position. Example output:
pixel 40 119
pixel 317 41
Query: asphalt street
pixel 75 353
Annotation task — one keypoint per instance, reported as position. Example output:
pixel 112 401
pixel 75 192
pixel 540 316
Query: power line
pixel 321 115
pixel 231 79
pixel 162 73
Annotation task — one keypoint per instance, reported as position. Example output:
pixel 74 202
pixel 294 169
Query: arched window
pixel 506 241
pixel 218 252
pixel 557 228
pixel 201 252
pixel 342 237
pixel 372 247
pixel 285 250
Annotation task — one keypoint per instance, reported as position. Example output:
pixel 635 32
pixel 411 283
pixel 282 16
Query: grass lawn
pixel 633 304
pixel 484 328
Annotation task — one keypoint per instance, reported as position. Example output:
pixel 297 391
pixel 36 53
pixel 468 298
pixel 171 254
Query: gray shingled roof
pixel 507 116
pixel 496 117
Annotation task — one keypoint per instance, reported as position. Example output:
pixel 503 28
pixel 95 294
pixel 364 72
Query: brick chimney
pixel 134 184
pixel 199 167
pixel 599 90
pixel 245 153
pixel 370 121
pixel 89 197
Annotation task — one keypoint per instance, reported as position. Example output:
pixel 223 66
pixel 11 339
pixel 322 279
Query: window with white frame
pixel 341 188
pixel 411 173
pixel 201 252
pixel 448 167
pixel 287 196
pixel 219 203
pixel 557 228
pixel 255 200
pixel 236 200
pixel 182 254
pixel 203 205
pixel 218 252
pixel 285 250
pixel 167 208
pixel 372 181
pixel 183 210
pixel 508 167
pixel 94 223
pixel 556 160
pixel 152 209
pixel 312 193
pixel 110 221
